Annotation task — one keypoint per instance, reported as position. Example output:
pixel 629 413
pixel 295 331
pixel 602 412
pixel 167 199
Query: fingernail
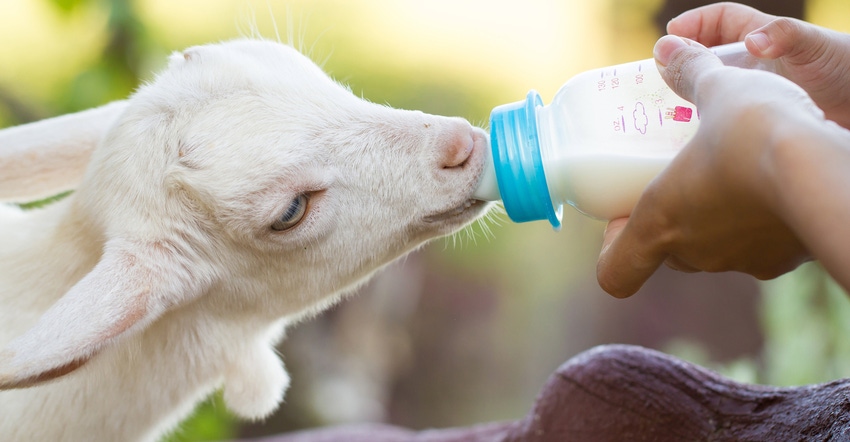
pixel 604 249
pixel 675 18
pixel 759 40
pixel 665 47
pixel 667 27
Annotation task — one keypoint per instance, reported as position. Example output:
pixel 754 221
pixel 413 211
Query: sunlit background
pixel 468 329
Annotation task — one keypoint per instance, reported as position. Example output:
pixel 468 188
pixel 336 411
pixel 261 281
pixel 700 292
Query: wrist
pixel 809 179
pixel 792 161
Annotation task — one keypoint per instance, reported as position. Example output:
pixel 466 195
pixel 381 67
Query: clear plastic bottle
pixel 606 135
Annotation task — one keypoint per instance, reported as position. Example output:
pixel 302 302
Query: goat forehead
pixel 258 64
pixel 267 87
pixel 260 115
pixel 253 101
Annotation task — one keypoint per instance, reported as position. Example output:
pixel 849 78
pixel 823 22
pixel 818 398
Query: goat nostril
pixel 458 150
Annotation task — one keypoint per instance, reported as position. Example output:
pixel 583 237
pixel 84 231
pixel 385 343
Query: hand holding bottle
pixel 762 187
pixel 815 58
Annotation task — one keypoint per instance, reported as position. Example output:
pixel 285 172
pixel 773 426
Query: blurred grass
pixel 211 421
pixel 41 203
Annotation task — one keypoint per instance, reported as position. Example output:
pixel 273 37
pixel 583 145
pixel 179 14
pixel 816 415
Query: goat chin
pixel 238 192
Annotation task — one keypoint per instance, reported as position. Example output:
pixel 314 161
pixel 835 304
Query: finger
pixel 684 64
pixel 679 265
pixel 612 230
pixel 719 23
pixel 800 42
pixel 627 261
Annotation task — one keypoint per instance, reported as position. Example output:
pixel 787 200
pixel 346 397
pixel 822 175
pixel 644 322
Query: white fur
pixel 49 157
pixel 159 279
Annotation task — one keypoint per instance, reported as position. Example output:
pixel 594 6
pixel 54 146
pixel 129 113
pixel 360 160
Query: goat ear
pixel 48 157
pixel 131 286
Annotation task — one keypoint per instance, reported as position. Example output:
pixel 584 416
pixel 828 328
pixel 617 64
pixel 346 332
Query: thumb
pixel 682 63
pixel 627 258
pixel 801 42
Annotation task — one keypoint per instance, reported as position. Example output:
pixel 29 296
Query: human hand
pixel 715 207
pixel 815 58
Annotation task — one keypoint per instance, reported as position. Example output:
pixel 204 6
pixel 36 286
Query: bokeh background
pixel 467 329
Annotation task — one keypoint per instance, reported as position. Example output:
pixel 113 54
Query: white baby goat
pixel 238 192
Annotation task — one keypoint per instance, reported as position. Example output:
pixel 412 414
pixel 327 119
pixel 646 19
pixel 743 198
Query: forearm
pixel 811 174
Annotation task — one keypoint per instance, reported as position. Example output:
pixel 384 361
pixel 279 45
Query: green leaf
pixel 67 6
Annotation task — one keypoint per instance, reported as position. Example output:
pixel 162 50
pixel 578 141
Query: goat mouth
pixel 468 209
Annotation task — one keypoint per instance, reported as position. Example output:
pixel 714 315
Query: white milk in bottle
pixel 607 133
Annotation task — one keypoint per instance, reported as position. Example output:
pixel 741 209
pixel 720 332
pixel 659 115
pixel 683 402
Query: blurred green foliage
pixel 117 71
pixel 41 203
pixel 806 317
pixel 67 6
pixel 211 421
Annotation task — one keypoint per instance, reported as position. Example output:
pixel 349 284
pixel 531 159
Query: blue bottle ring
pixel 519 166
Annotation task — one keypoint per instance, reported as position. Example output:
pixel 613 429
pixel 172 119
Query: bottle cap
pixel 519 166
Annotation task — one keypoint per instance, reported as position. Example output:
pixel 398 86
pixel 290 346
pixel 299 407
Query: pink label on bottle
pixel 680 113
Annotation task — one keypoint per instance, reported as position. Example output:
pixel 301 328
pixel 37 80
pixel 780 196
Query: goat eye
pixel 293 214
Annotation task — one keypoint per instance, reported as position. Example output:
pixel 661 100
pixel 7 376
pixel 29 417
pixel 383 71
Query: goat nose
pixel 457 149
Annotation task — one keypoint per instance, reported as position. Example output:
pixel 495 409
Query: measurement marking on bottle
pixel 623 120
pixel 660 118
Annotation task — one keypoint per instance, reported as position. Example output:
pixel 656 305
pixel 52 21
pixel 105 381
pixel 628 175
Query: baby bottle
pixel 607 133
